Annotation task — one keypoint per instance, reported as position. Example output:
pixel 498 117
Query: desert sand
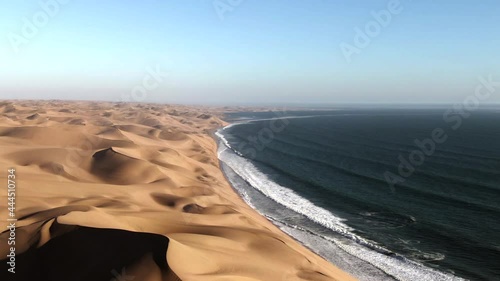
pixel 117 191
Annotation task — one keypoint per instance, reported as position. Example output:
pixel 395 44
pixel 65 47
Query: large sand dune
pixel 115 191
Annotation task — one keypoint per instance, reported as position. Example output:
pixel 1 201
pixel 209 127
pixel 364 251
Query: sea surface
pixel 384 194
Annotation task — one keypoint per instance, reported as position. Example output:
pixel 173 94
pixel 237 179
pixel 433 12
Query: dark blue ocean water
pixel 408 193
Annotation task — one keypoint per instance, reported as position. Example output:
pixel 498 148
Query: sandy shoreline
pixel 116 188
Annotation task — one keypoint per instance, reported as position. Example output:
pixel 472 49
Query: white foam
pixel 397 266
pixel 285 196
pixel 400 268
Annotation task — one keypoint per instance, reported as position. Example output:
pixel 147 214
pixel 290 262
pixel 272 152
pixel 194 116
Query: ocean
pixel 384 194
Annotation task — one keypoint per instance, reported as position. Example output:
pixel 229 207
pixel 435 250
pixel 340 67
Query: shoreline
pixel 393 268
pixel 218 140
pixel 277 224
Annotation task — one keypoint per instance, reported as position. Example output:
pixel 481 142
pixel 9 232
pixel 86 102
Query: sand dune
pixel 115 191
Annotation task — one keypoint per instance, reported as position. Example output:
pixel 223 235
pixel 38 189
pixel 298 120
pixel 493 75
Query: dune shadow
pixel 89 254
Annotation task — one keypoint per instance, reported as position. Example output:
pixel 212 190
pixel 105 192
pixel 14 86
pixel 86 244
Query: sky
pixel 249 51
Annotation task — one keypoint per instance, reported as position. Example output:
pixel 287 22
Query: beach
pixel 121 191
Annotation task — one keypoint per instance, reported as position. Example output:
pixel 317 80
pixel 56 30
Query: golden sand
pixel 110 181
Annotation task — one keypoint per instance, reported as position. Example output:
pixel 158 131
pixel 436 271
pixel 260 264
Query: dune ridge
pixel 106 189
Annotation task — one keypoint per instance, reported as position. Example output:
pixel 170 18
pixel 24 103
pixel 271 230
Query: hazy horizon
pixel 221 52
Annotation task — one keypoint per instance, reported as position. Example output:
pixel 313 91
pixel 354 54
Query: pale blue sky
pixel 260 51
